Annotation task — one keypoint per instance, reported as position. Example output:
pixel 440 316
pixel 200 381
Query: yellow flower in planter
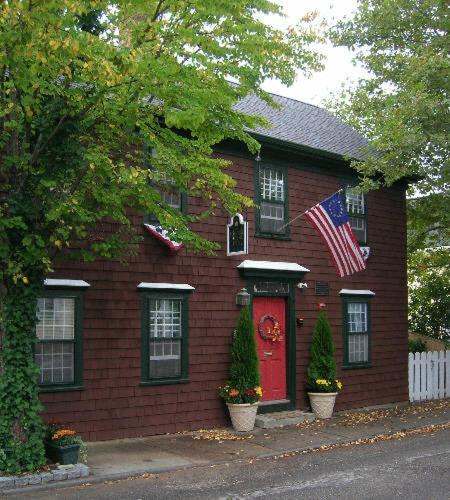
pixel 258 391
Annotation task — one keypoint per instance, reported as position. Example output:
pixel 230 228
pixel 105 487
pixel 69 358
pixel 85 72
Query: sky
pixel 338 62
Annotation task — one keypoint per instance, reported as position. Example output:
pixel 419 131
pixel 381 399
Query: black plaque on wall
pixel 237 236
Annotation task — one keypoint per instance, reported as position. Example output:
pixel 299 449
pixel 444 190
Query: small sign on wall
pixel 237 236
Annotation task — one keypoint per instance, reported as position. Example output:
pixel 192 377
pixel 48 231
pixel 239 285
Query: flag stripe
pixel 340 240
pixel 335 243
pixel 337 262
pixel 354 246
pixel 348 246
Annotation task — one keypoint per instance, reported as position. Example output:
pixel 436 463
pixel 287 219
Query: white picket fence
pixel 429 375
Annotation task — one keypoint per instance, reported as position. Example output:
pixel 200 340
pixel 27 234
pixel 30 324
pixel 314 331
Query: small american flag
pixel 331 220
pixel 163 236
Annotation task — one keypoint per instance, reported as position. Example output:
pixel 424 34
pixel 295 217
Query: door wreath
pixel 273 334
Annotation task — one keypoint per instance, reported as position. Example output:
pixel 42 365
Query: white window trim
pixel 275 266
pixel 346 291
pixel 165 286
pixel 66 283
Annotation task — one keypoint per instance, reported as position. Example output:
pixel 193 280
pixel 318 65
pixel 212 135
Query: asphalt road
pixel 413 468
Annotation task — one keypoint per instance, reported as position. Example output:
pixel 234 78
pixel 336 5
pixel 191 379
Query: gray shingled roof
pixel 305 125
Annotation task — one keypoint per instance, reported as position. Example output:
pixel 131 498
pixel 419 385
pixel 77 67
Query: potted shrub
pixel 322 385
pixel 62 445
pixel 242 391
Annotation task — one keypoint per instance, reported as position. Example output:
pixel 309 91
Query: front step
pixel 283 419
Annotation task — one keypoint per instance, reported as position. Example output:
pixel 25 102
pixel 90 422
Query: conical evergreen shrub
pixel 244 370
pixel 243 384
pixel 322 365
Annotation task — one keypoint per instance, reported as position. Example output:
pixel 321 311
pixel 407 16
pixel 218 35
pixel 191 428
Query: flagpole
pixel 303 213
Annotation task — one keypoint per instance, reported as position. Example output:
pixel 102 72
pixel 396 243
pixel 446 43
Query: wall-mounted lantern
pixel 243 298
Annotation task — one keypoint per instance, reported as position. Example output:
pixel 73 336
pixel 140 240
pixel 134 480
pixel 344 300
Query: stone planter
pixel 243 416
pixel 63 455
pixel 322 403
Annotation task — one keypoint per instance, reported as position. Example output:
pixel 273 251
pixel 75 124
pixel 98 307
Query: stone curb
pixel 62 473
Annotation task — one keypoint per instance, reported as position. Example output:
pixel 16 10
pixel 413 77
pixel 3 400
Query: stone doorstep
pixel 283 419
pixel 61 473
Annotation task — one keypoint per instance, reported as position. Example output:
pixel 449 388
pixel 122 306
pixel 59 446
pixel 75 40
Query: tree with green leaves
pixel 402 105
pixel 402 108
pixel 88 90
pixel 322 366
pixel 429 293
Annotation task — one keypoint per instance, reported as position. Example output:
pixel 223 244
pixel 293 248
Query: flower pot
pixel 63 455
pixel 322 403
pixel 243 416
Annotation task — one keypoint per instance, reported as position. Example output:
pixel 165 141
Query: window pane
pixel 271 287
pixel 165 318
pixel 355 202
pixel 272 184
pixel 173 199
pixel 358 348
pixel 165 358
pixel 358 226
pixel 272 217
pixel 357 317
pixel 56 318
pixel 56 362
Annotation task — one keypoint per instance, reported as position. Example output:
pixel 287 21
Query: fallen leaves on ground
pixel 429 429
pixel 352 418
pixel 219 435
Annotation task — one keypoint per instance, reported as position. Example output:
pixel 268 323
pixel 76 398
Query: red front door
pixel 269 316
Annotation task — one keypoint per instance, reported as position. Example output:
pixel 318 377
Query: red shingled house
pixel 141 349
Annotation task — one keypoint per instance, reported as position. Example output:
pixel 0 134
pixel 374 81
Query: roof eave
pixel 299 148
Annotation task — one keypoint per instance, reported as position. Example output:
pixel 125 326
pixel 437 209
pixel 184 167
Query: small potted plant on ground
pixel 322 385
pixel 62 445
pixel 242 391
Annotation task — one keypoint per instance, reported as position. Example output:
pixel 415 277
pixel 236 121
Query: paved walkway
pixel 125 457
pixel 119 459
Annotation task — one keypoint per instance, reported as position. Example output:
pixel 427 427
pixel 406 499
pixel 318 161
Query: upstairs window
pixel 271 198
pixel 170 194
pixel 357 211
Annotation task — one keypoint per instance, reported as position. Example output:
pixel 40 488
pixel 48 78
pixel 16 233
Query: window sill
pixel 357 366
pixel 60 388
pixel 273 236
pixel 164 381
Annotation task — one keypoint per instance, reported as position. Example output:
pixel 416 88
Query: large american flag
pixel 331 220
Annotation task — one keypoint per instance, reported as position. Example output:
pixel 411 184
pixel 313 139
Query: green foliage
pixel 322 366
pixel 429 293
pixel 402 106
pixel 243 384
pixel 21 428
pixel 87 90
pixel 417 346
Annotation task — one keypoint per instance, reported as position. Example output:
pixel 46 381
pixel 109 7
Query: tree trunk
pixel 21 428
